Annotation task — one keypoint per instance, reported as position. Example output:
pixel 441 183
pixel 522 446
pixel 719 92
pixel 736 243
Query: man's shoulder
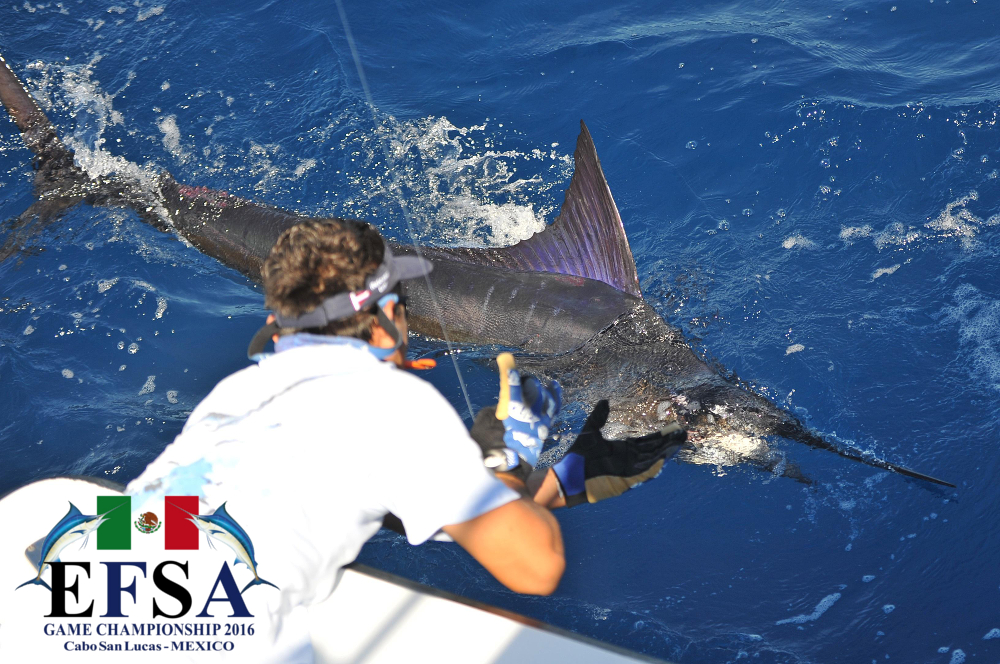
pixel 412 389
pixel 357 369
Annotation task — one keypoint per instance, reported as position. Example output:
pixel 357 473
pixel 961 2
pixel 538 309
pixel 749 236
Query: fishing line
pixel 402 204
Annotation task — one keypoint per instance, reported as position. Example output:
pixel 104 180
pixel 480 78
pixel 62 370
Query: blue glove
pixel 526 409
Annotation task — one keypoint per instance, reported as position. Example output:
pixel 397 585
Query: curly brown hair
pixel 317 258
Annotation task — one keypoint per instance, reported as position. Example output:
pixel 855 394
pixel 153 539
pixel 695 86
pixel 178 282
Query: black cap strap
pixel 267 331
pixel 389 327
pixel 261 338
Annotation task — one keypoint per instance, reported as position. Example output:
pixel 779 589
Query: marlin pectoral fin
pixel 39 582
pixel 258 581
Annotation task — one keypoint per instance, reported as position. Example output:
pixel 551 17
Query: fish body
pixel 569 297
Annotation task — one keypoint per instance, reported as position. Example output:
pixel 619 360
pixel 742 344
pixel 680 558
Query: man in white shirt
pixel 315 444
pixel 318 443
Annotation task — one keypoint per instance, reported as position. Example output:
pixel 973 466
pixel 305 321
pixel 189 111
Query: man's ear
pixel 380 336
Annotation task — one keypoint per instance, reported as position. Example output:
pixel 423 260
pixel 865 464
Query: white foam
pixel 145 285
pixel 851 233
pixel 461 188
pixel 172 396
pixel 133 348
pixel 882 271
pixel 28 330
pixel 161 306
pixel 67 373
pixel 264 162
pixel 957 221
pixel 304 165
pixel 896 234
pixel 149 386
pixel 794 348
pixel 821 608
pixel 105 284
pixel 957 656
pixel 148 13
pixel 508 223
pixel 992 634
pixel 172 137
pixel 798 242
pixel 978 319
pixel 868 578
pixel 888 608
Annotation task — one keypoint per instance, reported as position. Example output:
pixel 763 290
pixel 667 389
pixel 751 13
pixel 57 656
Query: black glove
pixel 595 468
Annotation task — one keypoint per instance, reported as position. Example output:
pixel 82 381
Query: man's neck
pixel 300 339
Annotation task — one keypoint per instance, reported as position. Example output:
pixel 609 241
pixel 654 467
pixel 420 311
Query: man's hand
pixel 595 468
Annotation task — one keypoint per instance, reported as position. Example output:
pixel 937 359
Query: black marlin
pixel 568 297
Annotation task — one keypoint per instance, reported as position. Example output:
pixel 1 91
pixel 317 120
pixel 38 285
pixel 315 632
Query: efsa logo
pixel 113 526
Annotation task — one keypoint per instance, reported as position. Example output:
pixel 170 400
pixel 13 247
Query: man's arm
pixel 543 487
pixel 519 543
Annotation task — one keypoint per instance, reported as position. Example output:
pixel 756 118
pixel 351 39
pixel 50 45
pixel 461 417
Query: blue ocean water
pixel 811 192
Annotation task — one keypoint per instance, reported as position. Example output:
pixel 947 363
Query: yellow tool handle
pixel 506 363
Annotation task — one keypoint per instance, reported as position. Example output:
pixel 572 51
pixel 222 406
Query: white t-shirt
pixel 310 449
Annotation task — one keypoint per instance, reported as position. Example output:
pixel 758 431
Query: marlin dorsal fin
pixel 587 239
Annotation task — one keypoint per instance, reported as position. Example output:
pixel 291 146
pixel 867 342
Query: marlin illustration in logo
pixel 222 527
pixel 70 528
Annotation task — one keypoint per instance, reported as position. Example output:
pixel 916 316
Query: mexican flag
pixel 115 533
